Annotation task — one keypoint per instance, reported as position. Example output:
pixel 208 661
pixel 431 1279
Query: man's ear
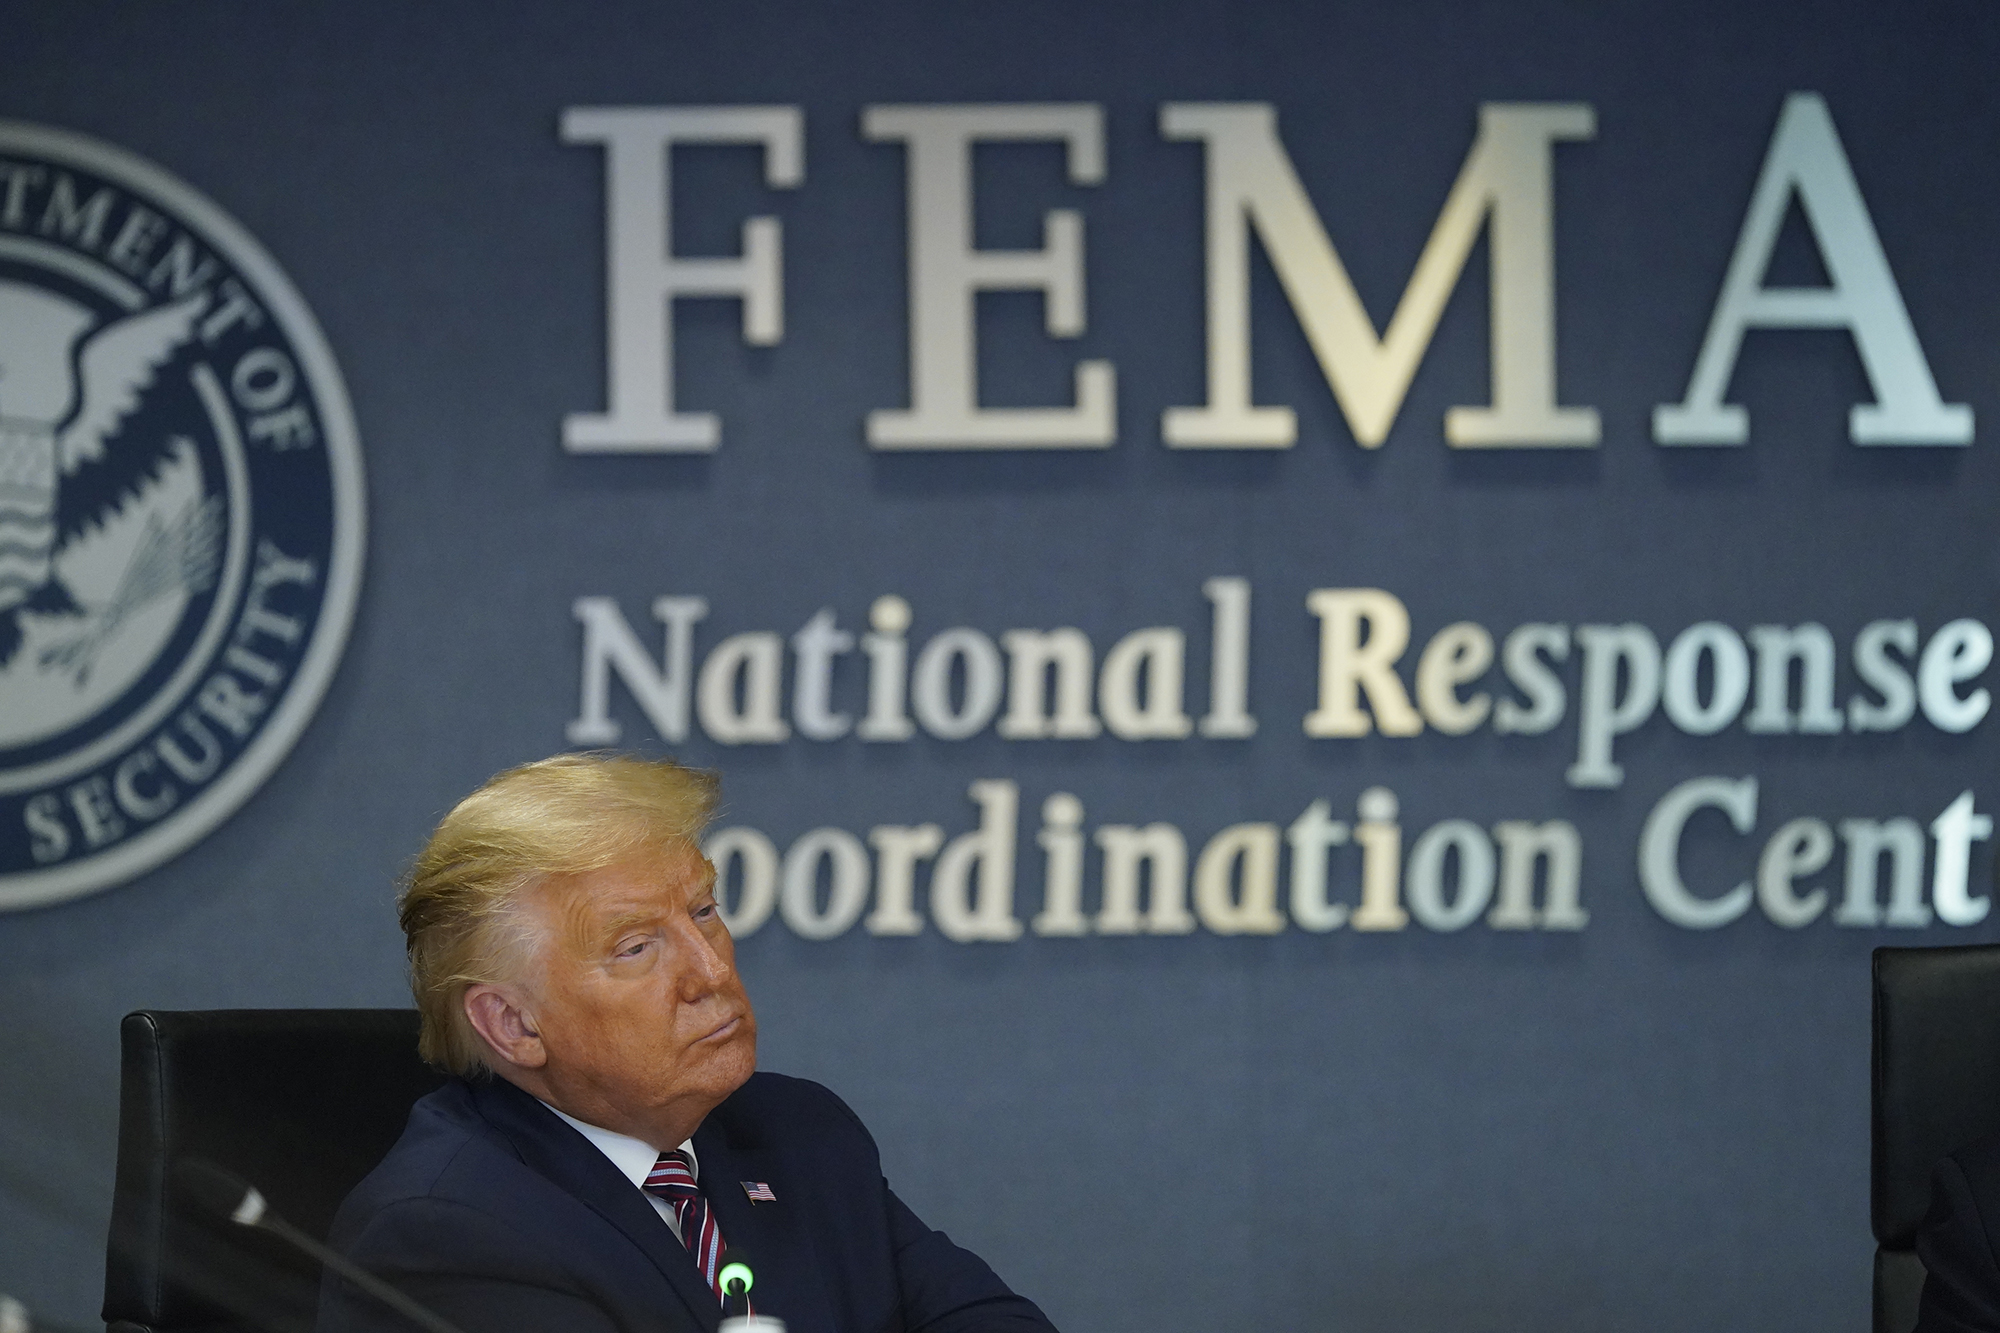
pixel 508 1029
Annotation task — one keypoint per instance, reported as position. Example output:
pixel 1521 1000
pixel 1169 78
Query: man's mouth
pixel 721 1032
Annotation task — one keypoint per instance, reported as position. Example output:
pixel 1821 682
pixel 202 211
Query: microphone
pixel 17 1318
pixel 222 1193
pixel 735 1278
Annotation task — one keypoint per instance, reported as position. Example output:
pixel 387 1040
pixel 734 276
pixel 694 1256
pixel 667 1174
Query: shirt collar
pixel 634 1158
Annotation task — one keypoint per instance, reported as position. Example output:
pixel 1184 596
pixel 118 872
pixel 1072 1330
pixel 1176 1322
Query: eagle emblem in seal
pixel 68 384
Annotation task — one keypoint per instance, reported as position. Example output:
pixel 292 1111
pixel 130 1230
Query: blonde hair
pixel 566 815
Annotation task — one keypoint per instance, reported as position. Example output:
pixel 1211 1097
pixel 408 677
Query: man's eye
pixel 705 911
pixel 634 949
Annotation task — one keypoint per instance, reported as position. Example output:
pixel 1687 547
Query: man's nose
pixel 704 969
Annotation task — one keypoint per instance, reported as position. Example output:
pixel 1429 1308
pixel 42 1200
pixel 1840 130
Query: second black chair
pixel 1936 1089
pixel 300 1102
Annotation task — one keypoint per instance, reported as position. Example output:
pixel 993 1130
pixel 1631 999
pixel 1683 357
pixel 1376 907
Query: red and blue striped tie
pixel 672 1179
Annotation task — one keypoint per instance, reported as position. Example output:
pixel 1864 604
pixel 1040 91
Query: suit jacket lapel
pixel 773 1235
pixel 572 1162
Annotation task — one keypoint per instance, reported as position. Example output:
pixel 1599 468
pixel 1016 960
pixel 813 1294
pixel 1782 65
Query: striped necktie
pixel 672 1179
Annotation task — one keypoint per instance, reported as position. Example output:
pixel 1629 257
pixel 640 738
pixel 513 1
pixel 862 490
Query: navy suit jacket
pixel 503 1219
pixel 1959 1243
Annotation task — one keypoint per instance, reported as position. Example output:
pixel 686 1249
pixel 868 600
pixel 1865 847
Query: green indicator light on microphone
pixel 737 1277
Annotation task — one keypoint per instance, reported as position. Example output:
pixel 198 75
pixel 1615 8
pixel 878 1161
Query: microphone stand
pixel 222 1193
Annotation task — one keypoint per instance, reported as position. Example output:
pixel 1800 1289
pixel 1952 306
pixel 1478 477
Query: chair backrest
pixel 1936 1089
pixel 300 1102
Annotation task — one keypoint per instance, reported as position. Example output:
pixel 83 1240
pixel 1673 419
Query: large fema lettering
pixel 1504 190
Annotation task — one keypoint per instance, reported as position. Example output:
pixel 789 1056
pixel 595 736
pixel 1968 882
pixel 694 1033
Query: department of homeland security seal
pixel 181 515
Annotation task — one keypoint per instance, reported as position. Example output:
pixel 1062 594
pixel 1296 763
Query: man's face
pixel 638 1005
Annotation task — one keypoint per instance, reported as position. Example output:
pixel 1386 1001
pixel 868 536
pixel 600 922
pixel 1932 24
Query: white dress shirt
pixel 634 1159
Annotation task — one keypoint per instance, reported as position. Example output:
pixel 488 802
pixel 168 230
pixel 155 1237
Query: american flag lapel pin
pixel 758 1191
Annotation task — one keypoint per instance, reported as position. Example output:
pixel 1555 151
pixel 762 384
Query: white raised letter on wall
pixel 643 277
pixel 1251 185
pixel 1806 158
pixel 947 273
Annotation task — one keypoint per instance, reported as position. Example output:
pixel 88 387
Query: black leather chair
pixel 1936 1089
pixel 300 1102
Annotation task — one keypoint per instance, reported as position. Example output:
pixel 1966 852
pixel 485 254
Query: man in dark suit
pixel 1959 1244
pixel 606 1138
